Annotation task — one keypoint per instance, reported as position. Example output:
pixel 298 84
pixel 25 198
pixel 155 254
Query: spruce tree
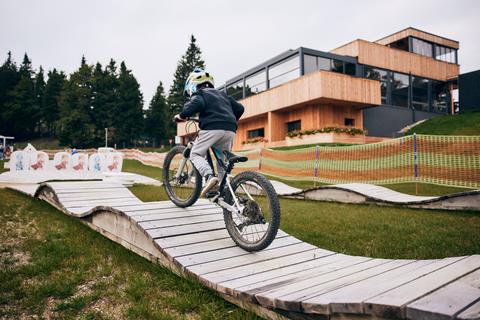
pixel 9 78
pixel 106 97
pixel 158 118
pixel 22 111
pixel 50 104
pixel 39 88
pixel 128 112
pixel 191 59
pixel 75 122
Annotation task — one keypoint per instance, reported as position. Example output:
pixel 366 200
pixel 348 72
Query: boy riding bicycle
pixel 218 117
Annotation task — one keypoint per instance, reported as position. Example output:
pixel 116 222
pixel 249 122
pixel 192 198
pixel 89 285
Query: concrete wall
pixel 386 121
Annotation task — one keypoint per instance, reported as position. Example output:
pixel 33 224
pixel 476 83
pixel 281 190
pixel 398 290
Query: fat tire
pixel 166 184
pixel 274 207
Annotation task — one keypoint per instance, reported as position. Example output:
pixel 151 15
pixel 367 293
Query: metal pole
pixel 415 161
pixel 106 137
pixel 315 171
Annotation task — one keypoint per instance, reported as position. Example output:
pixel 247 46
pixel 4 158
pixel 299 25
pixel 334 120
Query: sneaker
pixel 212 182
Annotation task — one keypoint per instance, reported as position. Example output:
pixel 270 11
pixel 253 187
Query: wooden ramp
pixel 290 279
pixel 368 193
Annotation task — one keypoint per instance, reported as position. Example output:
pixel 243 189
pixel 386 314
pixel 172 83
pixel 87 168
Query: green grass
pixel 370 230
pixel 2 169
pixel 135 166
pixel 53 266
pixel 466 124
pixel 425 189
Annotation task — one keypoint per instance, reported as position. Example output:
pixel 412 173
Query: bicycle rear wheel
pixel 183 188
pixel 256 226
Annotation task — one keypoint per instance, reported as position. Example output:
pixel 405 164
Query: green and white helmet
pixel 195 79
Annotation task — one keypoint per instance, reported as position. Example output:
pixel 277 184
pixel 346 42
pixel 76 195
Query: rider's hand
pixel 177 118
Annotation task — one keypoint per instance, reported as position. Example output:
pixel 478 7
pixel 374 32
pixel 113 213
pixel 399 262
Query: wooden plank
pixel 349 299
pixel 176 214
pixel 471 313
pixel 165 223
pixel 144 213
pixel 272 280
pixel 200 237
pixel 448 301
pixel 88 191
pixel 240 272
pixel 292 292
pixel 194 260
pixel 392 302
pixel 217 261
pixel 186 229
pixel 94 195
pixel 195 248
pixel 100 200
pixel 293 301
pixel 93 203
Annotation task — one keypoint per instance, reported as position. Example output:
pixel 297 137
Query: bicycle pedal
pixel 212 194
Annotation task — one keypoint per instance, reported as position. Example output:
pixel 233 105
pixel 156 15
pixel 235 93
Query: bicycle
pixel 251 208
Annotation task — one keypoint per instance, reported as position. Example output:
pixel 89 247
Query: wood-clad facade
pixel 374 54
pixel 375 87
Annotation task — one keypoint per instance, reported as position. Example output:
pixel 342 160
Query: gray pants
pixel 219 139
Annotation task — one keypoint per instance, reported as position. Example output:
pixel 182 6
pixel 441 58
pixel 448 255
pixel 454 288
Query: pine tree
pixel 51 97
pixel 39 88
pixel 22 111
pixel 128 112
pixel 9 78
pixel 191 59
pixel 158 118
pixel 75 122
pixel 106 97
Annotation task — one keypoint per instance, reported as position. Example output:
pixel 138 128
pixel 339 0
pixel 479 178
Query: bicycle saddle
pixel 233 158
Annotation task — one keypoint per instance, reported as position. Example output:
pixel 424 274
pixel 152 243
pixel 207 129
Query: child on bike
pixel 218 117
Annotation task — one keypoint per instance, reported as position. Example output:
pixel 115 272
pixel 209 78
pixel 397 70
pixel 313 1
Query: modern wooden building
pixel 357 93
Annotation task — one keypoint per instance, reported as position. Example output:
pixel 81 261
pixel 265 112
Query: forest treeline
pixel 76 108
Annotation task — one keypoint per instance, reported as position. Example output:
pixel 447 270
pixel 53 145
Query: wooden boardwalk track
pixel 290 279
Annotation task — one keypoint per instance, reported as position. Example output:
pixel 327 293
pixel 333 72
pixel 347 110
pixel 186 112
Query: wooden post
pixel 415 162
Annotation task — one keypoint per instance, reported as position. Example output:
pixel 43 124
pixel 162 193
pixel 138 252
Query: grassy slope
pixel 467 124
pixel 371 230
pixel 53 266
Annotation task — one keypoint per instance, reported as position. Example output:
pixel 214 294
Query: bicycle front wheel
pixel 255 227
pixel 182 182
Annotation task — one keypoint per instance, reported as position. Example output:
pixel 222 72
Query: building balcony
pixel 316 87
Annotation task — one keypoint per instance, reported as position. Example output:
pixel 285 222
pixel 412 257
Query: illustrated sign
pixel 80 162
pixel 62 161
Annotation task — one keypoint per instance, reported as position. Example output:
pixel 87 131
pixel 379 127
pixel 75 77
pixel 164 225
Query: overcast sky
pixel 233 35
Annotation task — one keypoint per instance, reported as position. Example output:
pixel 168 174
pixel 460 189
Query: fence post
pixel 315 168
pixel 260 160
pixel 415 162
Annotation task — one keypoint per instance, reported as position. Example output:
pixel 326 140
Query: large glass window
pixel 312 63
pixel 350 68
pixel 256 133
pixel 420 93
pixel 337 66
pixel 309 63
pixel 439 96
pixel 284 71
pixel 445 54
pixel 236 90
pixel 255 83
pixel 380 75
pixel 294 125
pixel 400 85
pixel 422 47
